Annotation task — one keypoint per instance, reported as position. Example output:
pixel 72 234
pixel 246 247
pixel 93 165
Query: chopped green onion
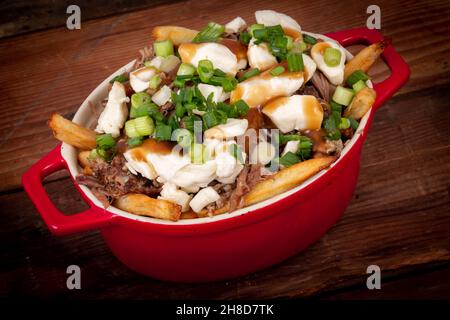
pixel 183 137
pixel 163 132
pixel 197 153
pixel 219 73
pixel 210 119
pixel 229 84
pixel 105 141
pixel 188 121
pixel 358 86
pixel 163 48
pixel 180 110
pixel 245 37
pixel 134 142
pixel 103 154
pixel 205 70
pixel 356 76
pixel 305 146
pixel 343 95
pixel 250 73
pixel 172 121
pixel 353 123
pixel 290 42
pixel 344 124
pixel 144 125
pixel 179 83
pixel 154 81
pixel 130 129
pixel 140 98
pixel 236 152
pixel 93 154
pixel 336 107
pixel 332 57
pixel 289 159
pixel 295 62
pixel 277 71
pixel 211 33
pixel 216 81
pixel 331 126
pixel 241 107
pixel 186 69
pixel 120 78
pixel 309 39
pixel 260 34
pixel 254 27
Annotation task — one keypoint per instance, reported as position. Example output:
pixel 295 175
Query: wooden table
pixel 399 218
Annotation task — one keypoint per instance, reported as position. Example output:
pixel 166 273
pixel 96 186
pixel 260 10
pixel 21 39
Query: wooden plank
pixel 399 219
pixel 21 16
pixel 54 71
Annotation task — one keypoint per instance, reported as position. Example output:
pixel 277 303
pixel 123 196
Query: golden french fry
pixel 83 158
pixel 143 205
pixel 365 59
pixel 177 35
pixel 361 103
pixel 71 133
pixel 280 182
pixel 188 215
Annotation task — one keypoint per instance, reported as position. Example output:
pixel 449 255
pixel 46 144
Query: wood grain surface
pixel 399 218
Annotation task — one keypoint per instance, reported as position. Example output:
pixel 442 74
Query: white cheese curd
pixel 210 147
pixel 291 146
pixel 225 164
pixel 232 128
pixel 298 112
pixel 113 117
pixel 139 166
pixel 334 74
pixel 310 66
pixel 171 193
pixel 162 96
pixel 221 57
pixel 242 64
pixel 273 18
pixel 167 165
pixel 259 56
pixel 203 198
pixel 156 62
pixel 235 25
pixel 218 94
pixel 258 90
pixel 139 79
pixel 195 176
pixel 231 178
pixel 262 153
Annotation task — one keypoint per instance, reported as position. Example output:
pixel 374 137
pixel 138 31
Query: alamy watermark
pixel 374 20
pixel 374 280
pixel 73 22
pixel 74 279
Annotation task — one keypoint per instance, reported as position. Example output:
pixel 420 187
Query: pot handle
pixel 57 222
pixel 399 69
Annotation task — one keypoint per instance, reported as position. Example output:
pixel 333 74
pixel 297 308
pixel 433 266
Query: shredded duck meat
pixel 249 177
pixel 321 83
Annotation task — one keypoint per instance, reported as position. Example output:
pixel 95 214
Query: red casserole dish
pixel 225 246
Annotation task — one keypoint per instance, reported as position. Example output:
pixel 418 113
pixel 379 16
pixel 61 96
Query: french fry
pixel 83 158
pixel 143 205
pixel 280 182
pixel 177 35
pixel 71 133
pixel 365 59
pixel 361 103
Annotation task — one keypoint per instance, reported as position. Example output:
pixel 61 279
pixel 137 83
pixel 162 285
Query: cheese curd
pixel 203 198
pixel 273 18
pixel 140 78
pixel 171 193
pixel 334 74
pixel 310 66
pixel 218 94
pixel 235 25
pixel 232 128
pixel 115 114
pixel 259 56
pixel 298 112
pixel 221 57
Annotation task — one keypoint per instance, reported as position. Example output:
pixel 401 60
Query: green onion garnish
pixel 183 137
pixel 120 78
pixel 205 70
pixel 130 129
pixel 353 123
pixel 250 73
pixel 245 37
pixel 254 27
pixel 163 132
pixel 358 86
pixel 336 107
pixel 343 95
pixel 241 107
pixel 163 48
pixel 144 126
pixel 309 39
pixel 356 76
pixel 180 110
pixel 295 62
pixel 211 33
pixel 344 124
pixel 229 84
pixel 105 141
pixel 134 142
pixel 331 126
pixel 332 57
pixel 186 69
pixel 210 119
pixel 289 159
pixel 277 71
pixel 154 81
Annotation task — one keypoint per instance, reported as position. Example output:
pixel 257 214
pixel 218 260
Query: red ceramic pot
pixel 229 245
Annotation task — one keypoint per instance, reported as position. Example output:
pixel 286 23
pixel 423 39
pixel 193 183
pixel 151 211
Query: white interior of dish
pixel 86 117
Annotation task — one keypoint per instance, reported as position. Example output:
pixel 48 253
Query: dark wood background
pixel 399 218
